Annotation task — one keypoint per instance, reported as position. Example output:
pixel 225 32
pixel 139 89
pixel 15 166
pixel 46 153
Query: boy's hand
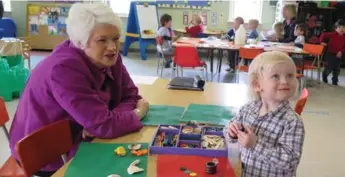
pixel 324 44
pixel 339 54
pixel 234 128
pixel 247 138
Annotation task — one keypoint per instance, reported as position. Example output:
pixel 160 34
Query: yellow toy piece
pixel 120 151
pixel 193 174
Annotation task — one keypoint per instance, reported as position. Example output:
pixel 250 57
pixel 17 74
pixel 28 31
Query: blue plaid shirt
pixel 278 150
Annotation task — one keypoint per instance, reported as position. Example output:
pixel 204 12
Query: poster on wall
pixel 204 18
pixel 43 19
pixel 214 18
pixel 33 29
pixel 52 29
pixel 185 17
pixel 61 29
pixel 33 10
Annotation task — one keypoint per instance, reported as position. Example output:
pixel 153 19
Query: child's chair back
pixel 3 117
pixel 250 53
pixel 44 146
pixel 186 55
pixel 314 49
pixel 301 101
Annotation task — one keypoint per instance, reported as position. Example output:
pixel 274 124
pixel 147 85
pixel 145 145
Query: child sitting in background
pixel 268 130
pixel 164 39
pixel 197 27
pixel 235 25
pixel 276 33
pixel 299 32
pixel 335 50
pixel 252 26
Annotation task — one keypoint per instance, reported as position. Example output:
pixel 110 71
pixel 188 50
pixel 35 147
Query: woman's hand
pixel 87 135
pixel 142 108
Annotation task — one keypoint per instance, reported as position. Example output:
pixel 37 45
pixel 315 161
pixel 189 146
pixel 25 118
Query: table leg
pixel 211 60
pixel 221 52
pixel 318 70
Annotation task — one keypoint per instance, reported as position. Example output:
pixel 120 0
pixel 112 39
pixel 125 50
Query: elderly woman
pixel 289 14
pixel 83 80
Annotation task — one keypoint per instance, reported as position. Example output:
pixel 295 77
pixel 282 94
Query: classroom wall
pixel 222 8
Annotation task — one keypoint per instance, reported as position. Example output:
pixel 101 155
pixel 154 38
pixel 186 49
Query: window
pixel 247 9
pixel 7 5
pixel 120 7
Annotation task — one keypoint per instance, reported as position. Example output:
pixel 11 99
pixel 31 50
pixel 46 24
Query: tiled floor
pixel 323 118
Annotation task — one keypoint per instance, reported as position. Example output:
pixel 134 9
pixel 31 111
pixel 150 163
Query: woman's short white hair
pixel 83 18
pixel 262 62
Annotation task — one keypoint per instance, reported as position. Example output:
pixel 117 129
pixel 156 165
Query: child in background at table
pixel 164 39
pixel 276 33
pixel 252 25
pixel 268 130
pixel 197 27
pixel 335 51
pixel 299 32
pixel 235 25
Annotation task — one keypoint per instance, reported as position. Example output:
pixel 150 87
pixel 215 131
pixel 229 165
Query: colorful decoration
pixel 214 18
pixel 185 17
pixel 204 18
pixel 120 151
pixel 186 4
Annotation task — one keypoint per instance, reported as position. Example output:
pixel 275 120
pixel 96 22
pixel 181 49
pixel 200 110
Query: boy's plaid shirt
pixel 280 140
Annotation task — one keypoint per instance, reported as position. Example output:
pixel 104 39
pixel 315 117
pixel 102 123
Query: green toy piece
pixel 13 76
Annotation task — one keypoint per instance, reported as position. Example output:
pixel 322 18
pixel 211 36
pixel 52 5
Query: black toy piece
pixel 211 168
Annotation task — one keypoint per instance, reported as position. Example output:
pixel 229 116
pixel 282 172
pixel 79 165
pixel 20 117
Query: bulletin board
pixel 46 24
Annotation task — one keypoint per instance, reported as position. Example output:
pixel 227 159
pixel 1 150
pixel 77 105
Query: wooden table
pixel 234 95
pixel 231 47
pixel 11 47
pixel 209 33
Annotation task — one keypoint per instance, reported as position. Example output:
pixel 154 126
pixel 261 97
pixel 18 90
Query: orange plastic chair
pixel 301 101
pixel 316 51
pixel 186 56
pixel 247 54
pixel 44 146
pixel 10 167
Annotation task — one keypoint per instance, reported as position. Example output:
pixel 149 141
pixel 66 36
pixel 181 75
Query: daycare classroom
pixel 169 88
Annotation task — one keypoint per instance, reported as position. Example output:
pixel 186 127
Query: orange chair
pixel 301 101
pixel 247 54
pixel 186 56
pixel 316 51
pixel 44 146
pixel 10 167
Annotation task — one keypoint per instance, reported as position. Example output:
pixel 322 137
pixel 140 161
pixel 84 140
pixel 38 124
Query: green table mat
pixel 211 114
pixel 98 159
pixel 162 114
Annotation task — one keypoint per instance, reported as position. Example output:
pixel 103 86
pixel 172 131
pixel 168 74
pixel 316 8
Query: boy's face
pixel 298 32
pixel 252 25
pixel 277 83
pixel 168 24
pixel 235 24
pixel 340 30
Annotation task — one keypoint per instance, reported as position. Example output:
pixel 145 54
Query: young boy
pixel 164 39
pixel 335 50
pixel 299 32
pixel 231 36
pixel 268 130
pixel 196 27
pixel 252 25
pixel 235 25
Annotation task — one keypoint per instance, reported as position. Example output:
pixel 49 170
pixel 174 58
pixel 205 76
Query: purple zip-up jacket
pixel 66 85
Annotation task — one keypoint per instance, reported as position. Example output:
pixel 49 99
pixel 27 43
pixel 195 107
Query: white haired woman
pixel 83 80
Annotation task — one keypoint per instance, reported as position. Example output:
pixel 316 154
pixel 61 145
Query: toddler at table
pixel 165 36
pixel 276 33
pixel 299 32
pixel 335 50
pixel 230 35
pixel 269 132
pixel 196 27
pixel 252 26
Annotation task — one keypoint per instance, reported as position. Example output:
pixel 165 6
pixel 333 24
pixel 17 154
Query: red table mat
pixel 169 166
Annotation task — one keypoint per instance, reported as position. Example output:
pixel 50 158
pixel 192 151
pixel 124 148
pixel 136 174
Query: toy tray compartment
pixel 176 140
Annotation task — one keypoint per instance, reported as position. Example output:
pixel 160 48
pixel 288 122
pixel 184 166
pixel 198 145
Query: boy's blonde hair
pixel 255 22
pixel 291 11
pixel 263 62
pixel 198 20
pixel 239 20
pixel 278 29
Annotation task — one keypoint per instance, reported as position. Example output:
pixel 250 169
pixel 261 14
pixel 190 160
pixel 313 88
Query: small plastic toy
pixel 140 152
pixel 120 151
pixel 133 168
